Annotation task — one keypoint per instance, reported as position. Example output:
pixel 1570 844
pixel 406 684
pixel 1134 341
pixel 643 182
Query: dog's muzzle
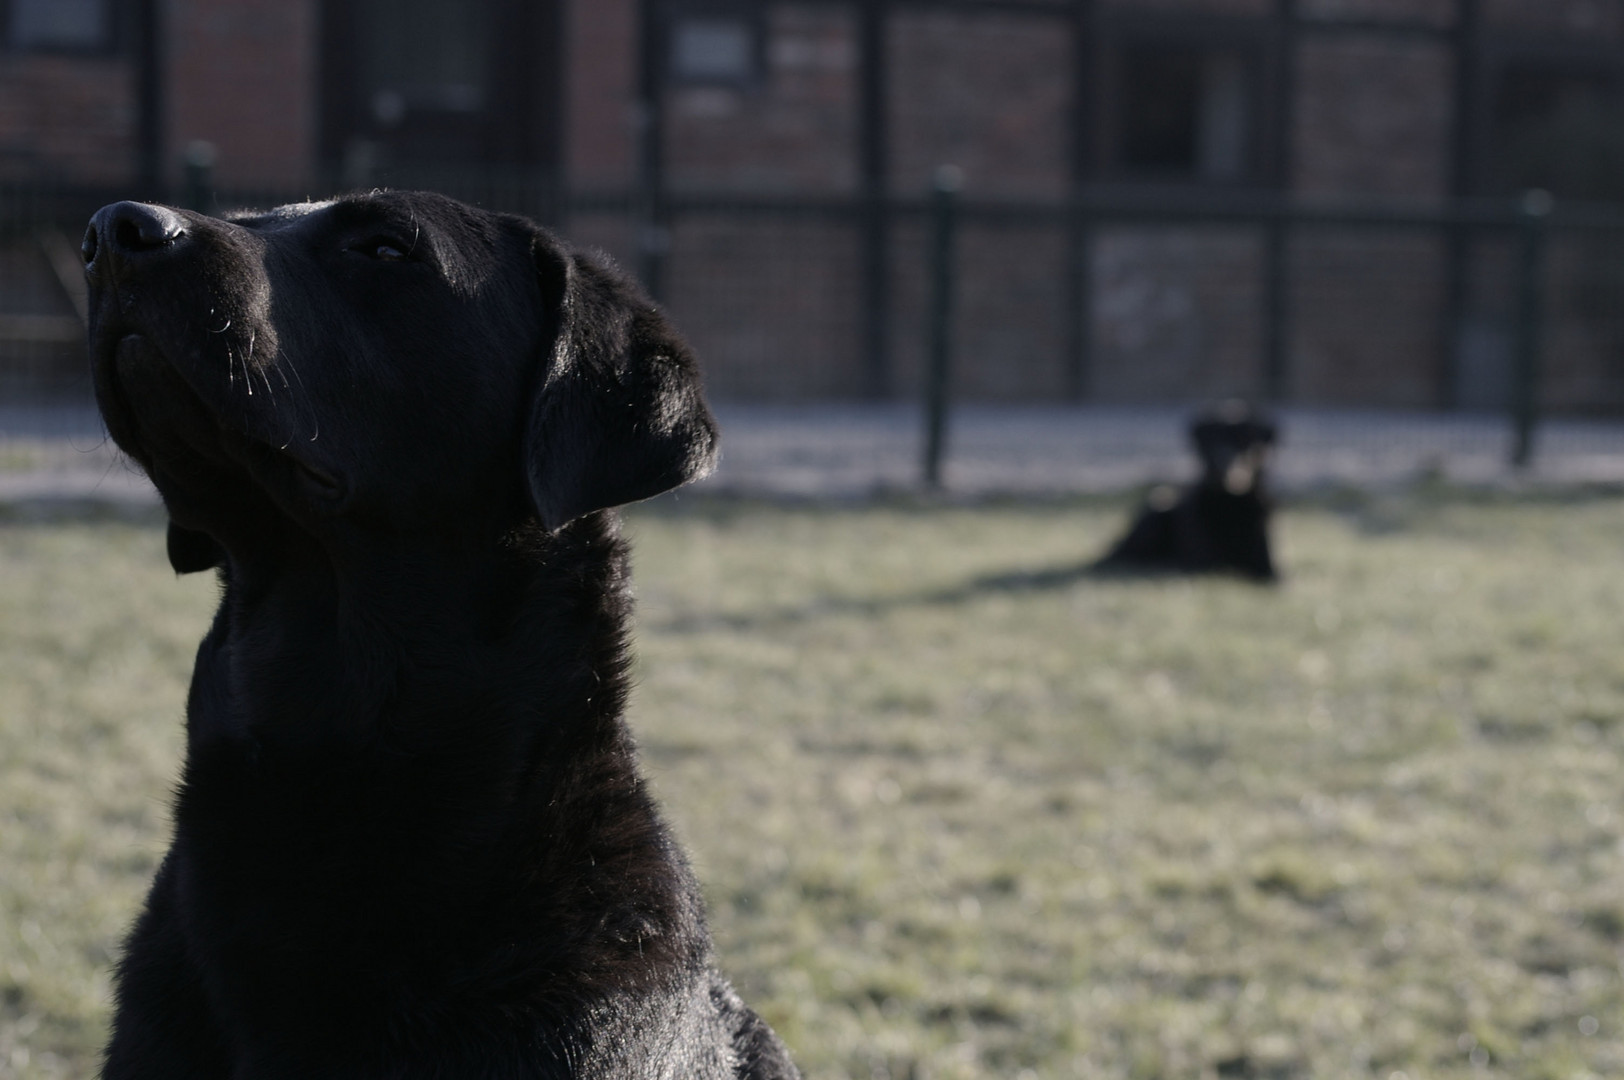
pixel 127 234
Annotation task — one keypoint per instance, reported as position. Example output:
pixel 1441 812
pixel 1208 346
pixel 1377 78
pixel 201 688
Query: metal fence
pixel 1115 300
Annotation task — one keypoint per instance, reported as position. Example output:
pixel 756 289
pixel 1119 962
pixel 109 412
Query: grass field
pixel 962 811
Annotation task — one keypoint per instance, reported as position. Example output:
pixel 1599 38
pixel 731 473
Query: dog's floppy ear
pixel 191 551
pixel 617 414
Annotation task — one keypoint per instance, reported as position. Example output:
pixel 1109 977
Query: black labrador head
pixel 1234 440
pixel 393 362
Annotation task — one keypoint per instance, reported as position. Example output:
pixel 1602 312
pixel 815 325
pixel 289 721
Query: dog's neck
pixel 458 614
pixel 497 716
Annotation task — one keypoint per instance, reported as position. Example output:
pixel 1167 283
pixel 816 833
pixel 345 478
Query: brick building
pixel 762 161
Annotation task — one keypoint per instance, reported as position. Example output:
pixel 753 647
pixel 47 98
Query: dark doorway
pixel 423 88
pixel 1558 126
pixel 1185 112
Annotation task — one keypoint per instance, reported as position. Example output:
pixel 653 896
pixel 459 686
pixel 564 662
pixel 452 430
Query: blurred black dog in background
pixel 1221 522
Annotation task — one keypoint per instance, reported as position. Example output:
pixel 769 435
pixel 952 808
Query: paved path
pixel 851 450
pixel 842 451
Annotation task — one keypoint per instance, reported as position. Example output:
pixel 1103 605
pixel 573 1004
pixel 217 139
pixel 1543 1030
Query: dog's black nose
pixel 130 229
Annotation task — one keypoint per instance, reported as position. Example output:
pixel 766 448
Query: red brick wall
pixel 1009 311
pixel 66 118
pixel 1215 7
pixel 1433 12
pixel 1584 331
pixel 796 132
pixel 600 93
pixel 1366 320
pixel 1177 313
pixel 770 306
pixel 989 93
pixel 1372 118
pixel 1568 16
pixel 243 76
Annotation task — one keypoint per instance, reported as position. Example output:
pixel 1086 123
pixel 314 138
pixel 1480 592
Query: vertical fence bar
pixel 1078 305
pixel 873 152
pixel 939 358
pixel 653 230
pixel 149 102
pixel 1535 214
pixel 1276 310
pixel 199 167
pixel 1277 232
pixel 1078 309
pixel 1466 43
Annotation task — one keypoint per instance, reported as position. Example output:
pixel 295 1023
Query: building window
pixel 715 46
pixel 49 25
pixel 423 56
pixel 1185 113
pixel 1558 127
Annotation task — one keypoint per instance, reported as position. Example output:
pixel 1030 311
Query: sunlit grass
pixel 962 811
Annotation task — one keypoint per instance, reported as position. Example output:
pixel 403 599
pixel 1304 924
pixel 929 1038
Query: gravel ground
pixel 845 451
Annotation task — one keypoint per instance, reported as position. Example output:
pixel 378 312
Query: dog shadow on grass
pixel 1008 582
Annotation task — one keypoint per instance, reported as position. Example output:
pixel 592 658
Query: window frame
pixel 1246 37
pixel 1600 62
pixel 751 15
pixel 114 35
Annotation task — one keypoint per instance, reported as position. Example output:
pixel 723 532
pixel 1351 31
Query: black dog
pixel 1221 522
pixel 411 839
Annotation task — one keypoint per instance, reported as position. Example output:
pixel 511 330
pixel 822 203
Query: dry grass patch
pixel 962 811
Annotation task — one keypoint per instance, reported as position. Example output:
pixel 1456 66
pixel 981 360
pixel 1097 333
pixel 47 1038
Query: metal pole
pixel 653 231
pixel 1079 301
pixel 1535 213
pixel 1467 41
pixel 944 204
pixel 1276 311
pixel 149 101
pixel 1276 234
pixel 873 160
pixel 1078 329
pixel 199 166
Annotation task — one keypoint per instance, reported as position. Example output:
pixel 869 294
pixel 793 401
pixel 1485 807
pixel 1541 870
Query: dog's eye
pixel 382 248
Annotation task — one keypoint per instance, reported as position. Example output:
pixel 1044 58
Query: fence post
pixel 1276 307
pixel 650 212
pixel 1079 302
pixel 199 164
pixel 1534 215
pixel 944 205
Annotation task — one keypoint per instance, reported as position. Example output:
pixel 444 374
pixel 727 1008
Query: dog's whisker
pixel 315 421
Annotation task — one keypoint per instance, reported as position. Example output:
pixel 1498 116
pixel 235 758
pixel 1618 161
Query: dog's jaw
pixel 148 409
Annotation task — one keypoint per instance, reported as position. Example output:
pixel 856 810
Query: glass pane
pixel 1223 136
pixel 712 49
pixel 1560 129
pixel 424 54
pixel 78 24
pixel 1161 90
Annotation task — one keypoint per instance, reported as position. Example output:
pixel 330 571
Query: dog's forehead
pixel 460 240
pixel 418 212
pixel 276 216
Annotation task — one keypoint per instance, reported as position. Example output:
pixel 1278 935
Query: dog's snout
pixel 130 229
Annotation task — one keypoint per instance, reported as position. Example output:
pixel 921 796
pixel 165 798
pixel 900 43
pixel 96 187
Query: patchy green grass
pixel 962 811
